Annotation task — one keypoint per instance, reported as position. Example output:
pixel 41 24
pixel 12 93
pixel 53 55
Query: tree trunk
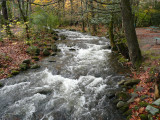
pixel 111 35
pixel 130 33
pixel 94 30
pixel 5 16
pixel 25 18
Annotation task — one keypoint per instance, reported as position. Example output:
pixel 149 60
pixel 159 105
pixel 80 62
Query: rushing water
pixel 70 86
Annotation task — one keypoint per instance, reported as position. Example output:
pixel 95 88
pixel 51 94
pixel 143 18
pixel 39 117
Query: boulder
pixel 35 58
pixel 139 89
pixel 27 61
pixel 120 104
pixel 124 108
pixel 121 82
pixel 157 102
pixel 152 109
pixel 1 85
pixel 24 66
pixel 63 37
pixel 14 72
pixel 122 96
pixel 131 82
pixel 54 48
pixel 46 52
pixel 35 66
pixel 55 38
pixel 33 50
pixel 133 96
pixel 72 29
pixel 53 54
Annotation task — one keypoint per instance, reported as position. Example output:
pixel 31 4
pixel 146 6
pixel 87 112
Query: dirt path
pixel 147 39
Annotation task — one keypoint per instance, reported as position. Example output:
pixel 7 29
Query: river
pixel 73 85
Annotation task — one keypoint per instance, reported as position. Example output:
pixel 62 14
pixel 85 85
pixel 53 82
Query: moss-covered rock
pixel 14 72
pixel 1 85
pixel 36 58
pixel 24 66
pixel 27 61
pixel 54 48
pixel 35 66
pixel 55 37
pixel 122 96
pixel 33 50
pixel 63 37
pixel 120 104
pixel 128 112
pixel 124 108
pixel 131 82
pixel 46 52
pixel 143 117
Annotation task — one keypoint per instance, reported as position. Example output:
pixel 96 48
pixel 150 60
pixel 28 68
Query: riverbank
pixel 143 100
pixel 19 54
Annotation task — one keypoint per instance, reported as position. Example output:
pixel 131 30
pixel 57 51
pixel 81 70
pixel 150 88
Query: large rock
pixel 121 82
pixel 46 52
pixel 152 109
pixel 27 61
pixel 24 66
pixel 1 85
pixel 35 66
pixel 36 58
pixel 54 48
pixel 122 96
pixel 131 82
pixel 133 96
pixel 63 37
pixel 33 50
pixel 120 104
pixel 14 72
pixel 157 102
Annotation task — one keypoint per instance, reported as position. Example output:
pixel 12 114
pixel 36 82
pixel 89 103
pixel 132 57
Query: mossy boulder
pixel 33 50
pixel 1 85
pixel 131 82
pixel 152 109
pixel 35 58
pixel 128 112
pixel 122 96
pixel 53 54
pixel 143 117
pixel 35 66
pixel 120 104
pixel 55 37
pixel 24 66
pixel 63 37
pixel 54 48
pixel 14 72
pixel 124 108
pixel 46 52
pixel 121 82
pixel 27 61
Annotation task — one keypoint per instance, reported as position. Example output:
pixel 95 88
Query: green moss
pixel 33 50
pixel 128 112
pixel 23 66
pixel 143 117
pixel 124 108
pixel 123 96
pixel 14 72
pixel 143 104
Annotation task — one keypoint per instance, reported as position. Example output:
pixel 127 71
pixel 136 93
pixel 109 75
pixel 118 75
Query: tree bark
pixel 5 16
pixel 130 33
